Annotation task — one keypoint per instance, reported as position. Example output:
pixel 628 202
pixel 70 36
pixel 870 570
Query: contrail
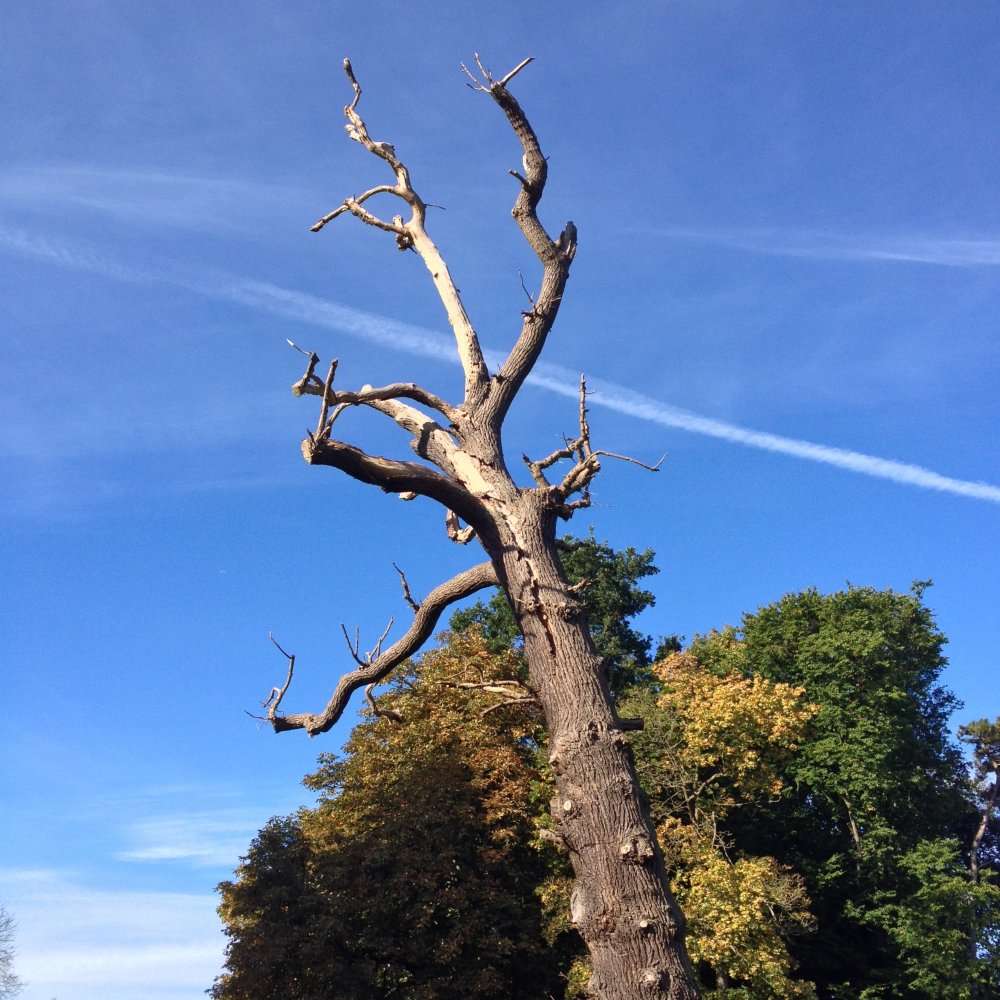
pixel 836 246
pixel 429 343
pixel 423 342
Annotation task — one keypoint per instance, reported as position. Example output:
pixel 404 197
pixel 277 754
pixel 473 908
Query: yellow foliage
pixel 735 728
pixel 727 732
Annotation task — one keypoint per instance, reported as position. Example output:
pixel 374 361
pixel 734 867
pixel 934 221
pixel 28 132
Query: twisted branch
pixel 381 665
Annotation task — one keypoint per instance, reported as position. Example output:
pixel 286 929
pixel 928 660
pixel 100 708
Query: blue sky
pixel 787 279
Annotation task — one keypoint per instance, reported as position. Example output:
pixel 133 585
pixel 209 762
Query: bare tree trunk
pixel 621 902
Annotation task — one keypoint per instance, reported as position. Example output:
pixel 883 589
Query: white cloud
pixel 202 839
pixel 80 943
pixel 149 197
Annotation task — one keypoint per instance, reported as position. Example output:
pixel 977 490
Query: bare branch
pixel 507 704
pixel 377 651
pixel 393 476
pixel 633 461
pixel 461 536
pixel 424 621
pixel 383 713
pixel 411 234
pixel 556 256
pixel 494 687
pixel 357 86
pixel 353 648
pixel 310 385
pixel 274 699
pixel 517 69
pixel 350 204
pixel 323 427
pixel 407 596
pixel 291 343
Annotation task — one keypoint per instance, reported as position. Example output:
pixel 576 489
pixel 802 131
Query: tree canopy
pixel 817 821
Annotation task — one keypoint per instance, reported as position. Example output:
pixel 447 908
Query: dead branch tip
pixel 517 69
pixel 354 83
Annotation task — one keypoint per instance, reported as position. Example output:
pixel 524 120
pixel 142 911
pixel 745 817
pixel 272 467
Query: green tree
pixel 610 591
pixel 983 739
pixel 712 744
pixel 812 742
pixel 272 912
pixel 875 788
pixel 939 907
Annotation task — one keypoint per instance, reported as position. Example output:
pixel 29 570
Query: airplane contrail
pixel 872 248
pixel 424 342
pixel 432 344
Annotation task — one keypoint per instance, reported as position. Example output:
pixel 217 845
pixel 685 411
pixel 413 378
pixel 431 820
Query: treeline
pixel 825 836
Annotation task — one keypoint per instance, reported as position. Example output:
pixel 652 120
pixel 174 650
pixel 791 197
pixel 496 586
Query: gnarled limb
pixel 379 666
pixel 430 440
pixel 393 476
pixel 413 234
pixel 556 256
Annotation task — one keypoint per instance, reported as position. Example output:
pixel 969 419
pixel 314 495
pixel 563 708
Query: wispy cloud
pixel 75 256
pixel 871 248
pixel 424 342
pixel 430 343
pixel 155 197
pixel 162 941
pixel 202 839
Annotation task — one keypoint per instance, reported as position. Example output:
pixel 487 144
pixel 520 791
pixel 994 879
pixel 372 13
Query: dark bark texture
pixel 621 903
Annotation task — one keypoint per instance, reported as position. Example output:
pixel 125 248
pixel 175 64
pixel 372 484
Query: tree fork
pixel 621 903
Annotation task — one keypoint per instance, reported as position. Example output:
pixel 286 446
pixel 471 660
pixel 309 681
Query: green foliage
pixel 983 740
pixel 712 743
pixel 930 920
pixel 815 815
pixel 270 912
pixel 611 596
pixel 875 781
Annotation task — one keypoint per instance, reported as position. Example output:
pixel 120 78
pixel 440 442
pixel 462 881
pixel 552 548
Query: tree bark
pixel 621 905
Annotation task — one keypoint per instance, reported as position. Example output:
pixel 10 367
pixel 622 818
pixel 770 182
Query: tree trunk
pixel 620 905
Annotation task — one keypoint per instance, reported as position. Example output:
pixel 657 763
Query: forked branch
pixel 381 664
pixel 586 463
pixel 412 234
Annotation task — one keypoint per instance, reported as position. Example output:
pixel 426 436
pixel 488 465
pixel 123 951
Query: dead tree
pixel 621 903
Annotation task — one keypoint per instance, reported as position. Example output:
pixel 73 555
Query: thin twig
pixel 274 699
pixel 507 704
pixel 633 461
pixel 407 596
pixel 355 648
pixel 354 83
